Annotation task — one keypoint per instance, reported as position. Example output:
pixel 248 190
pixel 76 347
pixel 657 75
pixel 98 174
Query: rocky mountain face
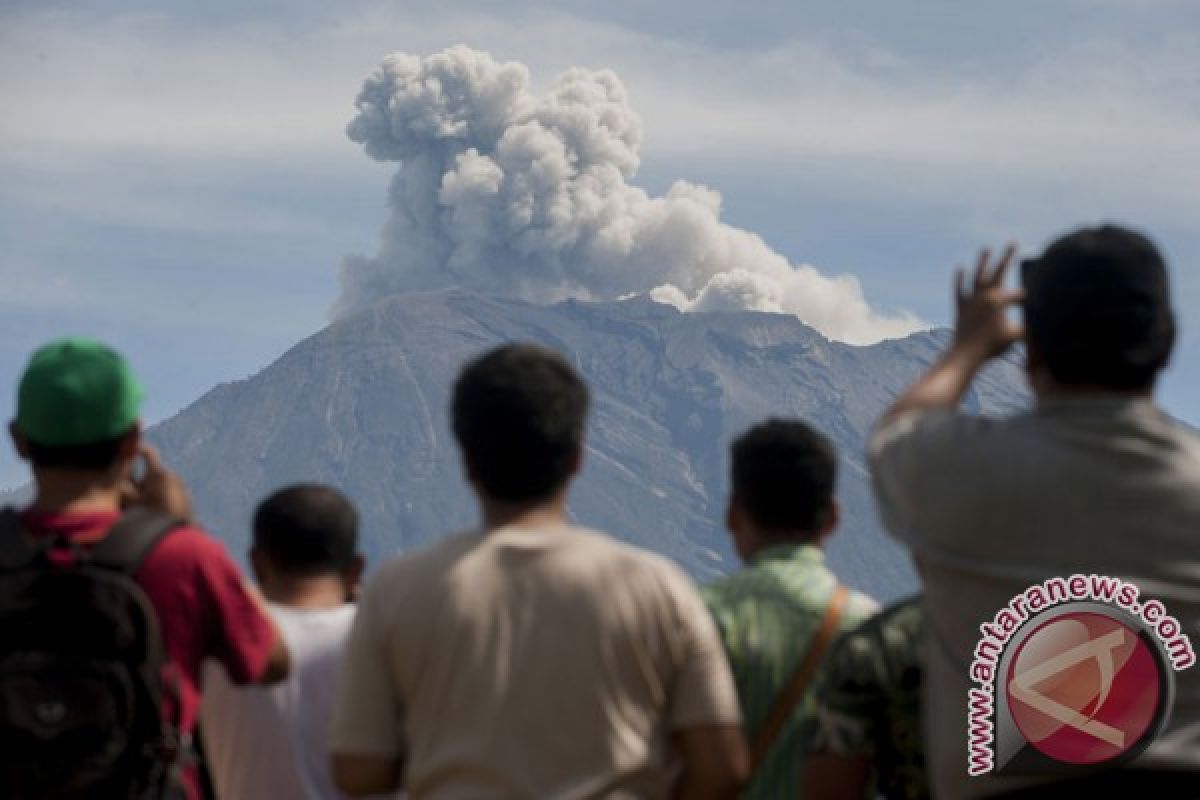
pixel 363 405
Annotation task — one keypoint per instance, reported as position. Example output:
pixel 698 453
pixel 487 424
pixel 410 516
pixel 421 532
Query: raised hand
pixel 158 487
pixel 982 328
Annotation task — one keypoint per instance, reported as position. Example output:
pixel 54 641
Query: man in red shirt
pixel 78 425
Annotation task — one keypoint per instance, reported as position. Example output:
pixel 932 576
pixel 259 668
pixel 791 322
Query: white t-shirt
pixel 531 662
pixel 273 742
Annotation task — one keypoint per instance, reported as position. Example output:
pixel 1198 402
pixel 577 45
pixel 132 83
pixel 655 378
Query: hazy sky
pixel 175 177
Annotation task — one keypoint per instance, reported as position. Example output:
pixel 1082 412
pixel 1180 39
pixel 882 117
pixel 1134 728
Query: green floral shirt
pixel 767 615
pixel 868 702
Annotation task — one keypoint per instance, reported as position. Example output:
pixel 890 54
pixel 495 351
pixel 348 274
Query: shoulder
pixel 438 553
pixel 608 551
pixel 191 541
pixel 417 573
pixel 728 590
pixel 730 581
pixel 317 618
pixel 652 577
pixel 859 608
pixel 940 426
pixel 900 621
pixel 1187 439
pixel 885 643
pixel 308 629
pixel 803 580
pixel 188 550
pixel 946 456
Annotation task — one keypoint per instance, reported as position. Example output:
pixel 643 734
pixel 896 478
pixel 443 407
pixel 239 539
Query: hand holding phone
pixel 154 486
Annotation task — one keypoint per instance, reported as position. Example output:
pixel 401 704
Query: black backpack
pixel 82 679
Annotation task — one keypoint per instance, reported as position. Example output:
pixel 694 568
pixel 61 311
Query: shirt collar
pixel 1097 402
pixel 789 551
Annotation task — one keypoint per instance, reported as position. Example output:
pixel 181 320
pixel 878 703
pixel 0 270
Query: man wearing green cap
pixel 77 392
pixel 77 425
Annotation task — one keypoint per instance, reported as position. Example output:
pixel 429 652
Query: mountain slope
pixel 362 404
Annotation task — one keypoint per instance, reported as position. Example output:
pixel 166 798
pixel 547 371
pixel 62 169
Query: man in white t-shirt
pixel 531 658
pixel 272 743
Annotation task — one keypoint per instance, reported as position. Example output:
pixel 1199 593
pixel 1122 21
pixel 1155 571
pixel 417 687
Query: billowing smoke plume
pixel 504 191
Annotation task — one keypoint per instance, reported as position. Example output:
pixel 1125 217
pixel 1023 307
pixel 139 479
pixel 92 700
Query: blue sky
pixel 175 178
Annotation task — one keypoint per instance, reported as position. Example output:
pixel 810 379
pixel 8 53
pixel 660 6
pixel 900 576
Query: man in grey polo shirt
pixel 1095 479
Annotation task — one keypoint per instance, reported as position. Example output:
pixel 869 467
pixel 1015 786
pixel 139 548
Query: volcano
pixel 363 403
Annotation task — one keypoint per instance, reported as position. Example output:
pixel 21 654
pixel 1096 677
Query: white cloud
pixel 253 91
pixel 507 191
pixel 1083 128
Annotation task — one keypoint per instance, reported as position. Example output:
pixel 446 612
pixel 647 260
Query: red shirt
pixel 203 608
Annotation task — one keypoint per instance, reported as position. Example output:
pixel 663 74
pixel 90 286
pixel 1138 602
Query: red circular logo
pixel 1084 688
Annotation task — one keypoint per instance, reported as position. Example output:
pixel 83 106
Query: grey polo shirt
pixel 1103 484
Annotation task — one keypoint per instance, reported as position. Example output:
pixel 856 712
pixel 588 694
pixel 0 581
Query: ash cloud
pixel 505 191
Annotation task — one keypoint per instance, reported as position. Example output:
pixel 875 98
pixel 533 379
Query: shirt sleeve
pixel 849 698
pixel 368 713
pixel 703 691
pixel 239 634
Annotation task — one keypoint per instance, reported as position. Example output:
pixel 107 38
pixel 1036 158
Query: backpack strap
pixel 795 689
pixel 132 538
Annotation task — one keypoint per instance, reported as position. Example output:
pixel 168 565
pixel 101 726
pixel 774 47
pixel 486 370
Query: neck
pixel 500 514
pixel 72 490
pixel 759 542
pixel 315 592
pixel 1059 392
pixel 1045 387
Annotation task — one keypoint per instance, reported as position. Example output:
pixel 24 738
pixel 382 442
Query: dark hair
pixel 784 476
pixel 519 415
pixel 1098 310
pixel 96 456
pixel 307 529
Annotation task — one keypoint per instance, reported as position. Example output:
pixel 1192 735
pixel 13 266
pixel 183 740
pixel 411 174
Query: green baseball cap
pixel 77 391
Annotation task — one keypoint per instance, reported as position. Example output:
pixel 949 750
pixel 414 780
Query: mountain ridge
pixel 362 404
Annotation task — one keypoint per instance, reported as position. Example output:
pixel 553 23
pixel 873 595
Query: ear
pixel 20 443
pixel 744 535
pixel 833 518
pixel 1033 357
pixel 577 460
pixel 1035 367
pixel 733 515
pixel 1173 341
pixel 130 443
pixel 468 470
pixel 353 578
pixel 259 566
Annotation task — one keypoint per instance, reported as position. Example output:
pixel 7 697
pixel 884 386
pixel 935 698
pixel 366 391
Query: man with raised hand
pixel 777 615
pixel 1094 479
pixel 273 741
pixel 530 657
pixel 94 523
